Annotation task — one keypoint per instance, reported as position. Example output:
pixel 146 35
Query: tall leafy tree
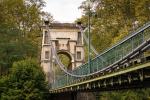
pixel 20 23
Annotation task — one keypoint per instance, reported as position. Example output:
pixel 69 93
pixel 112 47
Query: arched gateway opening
pixel 66 59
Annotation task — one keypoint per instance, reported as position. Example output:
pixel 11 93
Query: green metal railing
pixel 108 58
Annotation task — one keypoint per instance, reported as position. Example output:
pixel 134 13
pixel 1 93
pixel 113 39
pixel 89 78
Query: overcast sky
pixel 64 10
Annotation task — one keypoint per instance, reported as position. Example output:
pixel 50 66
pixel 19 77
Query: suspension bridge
pixel 124 65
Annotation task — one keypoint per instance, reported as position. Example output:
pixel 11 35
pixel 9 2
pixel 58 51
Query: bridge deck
pixel 121 72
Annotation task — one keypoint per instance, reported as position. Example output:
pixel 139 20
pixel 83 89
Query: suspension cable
pixel 86 40
pixel 62 67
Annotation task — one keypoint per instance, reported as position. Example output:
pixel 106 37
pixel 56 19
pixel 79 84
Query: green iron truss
pixel 86 84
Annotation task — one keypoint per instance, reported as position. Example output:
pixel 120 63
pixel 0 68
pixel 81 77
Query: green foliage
pixel 20 22
pixel 25 81
pixel 138 94
pixel 20 32
pixel 15 51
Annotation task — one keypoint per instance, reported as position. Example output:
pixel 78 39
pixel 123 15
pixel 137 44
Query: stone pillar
pixel 46 52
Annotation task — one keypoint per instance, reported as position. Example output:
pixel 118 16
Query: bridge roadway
pixel 125 65
pixel 136 76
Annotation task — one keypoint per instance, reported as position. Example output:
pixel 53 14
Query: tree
pixel 20 22
pixel 25 81
pixel 20 31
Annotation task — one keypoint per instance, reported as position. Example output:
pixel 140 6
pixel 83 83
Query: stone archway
pixel 69 61
pixel 66 39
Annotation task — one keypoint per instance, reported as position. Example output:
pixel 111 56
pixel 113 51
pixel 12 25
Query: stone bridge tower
pixel 66 39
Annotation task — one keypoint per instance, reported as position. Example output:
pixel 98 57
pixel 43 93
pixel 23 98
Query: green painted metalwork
pixel 108 58
pixel 127 70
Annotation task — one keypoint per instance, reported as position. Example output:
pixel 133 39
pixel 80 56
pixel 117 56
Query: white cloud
pixel 64 10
